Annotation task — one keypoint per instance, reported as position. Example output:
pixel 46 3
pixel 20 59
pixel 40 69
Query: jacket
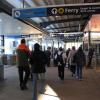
pixel 80 59
pixel 70 56
pixel 38 61
pixel 23 54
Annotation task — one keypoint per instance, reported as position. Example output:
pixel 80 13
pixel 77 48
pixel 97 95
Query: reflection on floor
pixel 69 89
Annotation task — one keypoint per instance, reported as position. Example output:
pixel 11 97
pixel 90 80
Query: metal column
pixel 89 39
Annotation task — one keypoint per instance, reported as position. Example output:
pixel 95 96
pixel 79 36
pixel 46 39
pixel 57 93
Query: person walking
pixel 61 58
pixel 72 65
pixel 80 60
pixel 54 59
pixel 48 54
pixel 38 61
pixel 67 53
pixel 23 54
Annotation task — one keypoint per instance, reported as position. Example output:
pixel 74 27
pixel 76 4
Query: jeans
pixel 37 76
pixel 79 72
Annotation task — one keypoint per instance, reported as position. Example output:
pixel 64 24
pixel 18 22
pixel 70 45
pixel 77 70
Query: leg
pixel 74 69
pixel 48 62
pixel 77 72
pixel 34 86
pixel 80 72
pixel 89 62
pixel 62 72
pixel 42 82
pixel 59 71
pixel 20 71
pixel 27 73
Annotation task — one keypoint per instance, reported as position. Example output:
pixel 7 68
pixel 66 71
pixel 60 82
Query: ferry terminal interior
pixel 56 29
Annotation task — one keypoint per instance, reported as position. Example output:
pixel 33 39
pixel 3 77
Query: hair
pixel 80 49
pixel 60 49
pixel 73 47
pixel 23 41
pixel 48 48
pixel 36 46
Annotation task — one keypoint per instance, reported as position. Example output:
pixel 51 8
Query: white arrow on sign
pixel 54 11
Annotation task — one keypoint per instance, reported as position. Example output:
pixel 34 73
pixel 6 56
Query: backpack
pixel 60 59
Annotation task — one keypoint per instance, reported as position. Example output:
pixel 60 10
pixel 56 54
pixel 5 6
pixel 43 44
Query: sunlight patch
pixel 49 94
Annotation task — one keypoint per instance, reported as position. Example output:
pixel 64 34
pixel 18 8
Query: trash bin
pixel 11 59
pixel 4 59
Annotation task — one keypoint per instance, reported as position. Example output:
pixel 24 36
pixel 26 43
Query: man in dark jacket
pixel 38 62
pixel 80 60
pixel 23 54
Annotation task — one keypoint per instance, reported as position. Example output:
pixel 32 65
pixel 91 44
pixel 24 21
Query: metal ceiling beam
pixel 91 1
pixel 7 8
pixel 68 36
pixel 45 24
pixel 86 22
pixel 64 27
pixel 66 31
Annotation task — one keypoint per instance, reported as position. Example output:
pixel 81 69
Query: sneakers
pixel 80 79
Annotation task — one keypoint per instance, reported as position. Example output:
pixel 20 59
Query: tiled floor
pixel 69 89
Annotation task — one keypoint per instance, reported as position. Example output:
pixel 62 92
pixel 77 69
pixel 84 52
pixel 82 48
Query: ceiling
pixel 11 26
pixel 53 24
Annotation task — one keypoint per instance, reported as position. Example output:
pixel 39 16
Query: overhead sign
pixel 73 10
pixel 59 10
pixel 29 13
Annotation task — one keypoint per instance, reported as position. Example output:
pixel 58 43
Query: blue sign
pixel 29 13
pixel 57 11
